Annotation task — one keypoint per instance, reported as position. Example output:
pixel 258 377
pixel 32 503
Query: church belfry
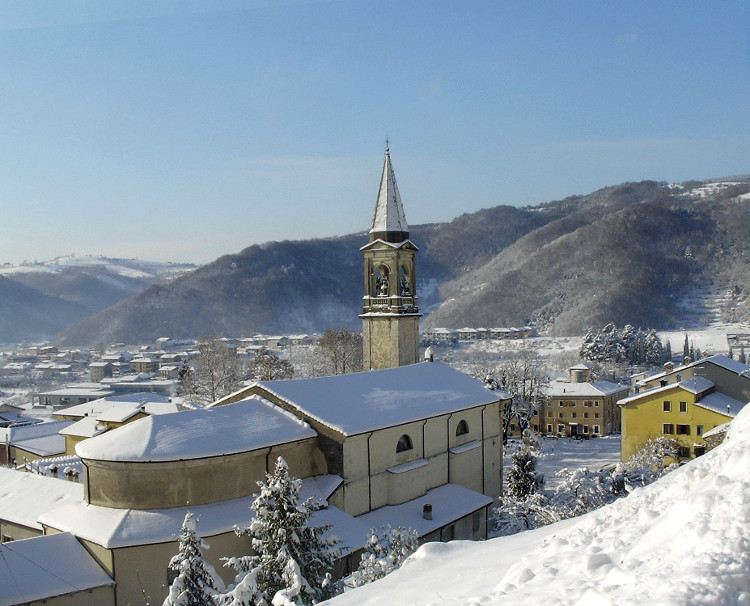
pixel 390 314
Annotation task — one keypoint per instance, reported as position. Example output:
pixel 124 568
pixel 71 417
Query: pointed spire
pixel 389 221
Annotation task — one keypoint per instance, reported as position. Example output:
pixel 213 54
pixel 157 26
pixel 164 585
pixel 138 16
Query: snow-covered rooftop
pixel 695 385
pixel 87 427
pixel 719 360
pixel 594 389
pixel 120 408
pixel 44 567
pixel 43 445
pixel 371 400
pixel 25 496
pixel 718 402
pixel 450 502
pixel 247 425
pixel 114 528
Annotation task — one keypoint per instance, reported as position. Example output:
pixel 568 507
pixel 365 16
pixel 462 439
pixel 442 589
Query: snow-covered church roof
pixel 240 427
pixel 366 401
pixel 389 212
pixel 45 567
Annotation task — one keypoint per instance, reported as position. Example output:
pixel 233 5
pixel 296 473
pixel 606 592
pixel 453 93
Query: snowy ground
pixel 683 540
pixel 559 453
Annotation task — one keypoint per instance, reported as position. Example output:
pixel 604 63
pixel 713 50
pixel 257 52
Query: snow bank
pixel 683 540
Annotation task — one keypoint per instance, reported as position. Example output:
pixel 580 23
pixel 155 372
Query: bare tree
pixel 524 377
pixel 267 366
pixel 340 350
pixel 217 372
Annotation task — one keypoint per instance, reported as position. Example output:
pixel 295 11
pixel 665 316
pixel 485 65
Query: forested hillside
pixel 628 254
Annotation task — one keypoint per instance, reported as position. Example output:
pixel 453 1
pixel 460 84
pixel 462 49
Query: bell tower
pixel 390 314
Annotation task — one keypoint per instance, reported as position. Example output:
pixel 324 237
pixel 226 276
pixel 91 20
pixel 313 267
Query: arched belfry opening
pixel 390 310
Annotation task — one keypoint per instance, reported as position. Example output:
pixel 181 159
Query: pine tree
pixel 523 479
pixel 654 350
pixel 686 349
pixel 196 583
pixel 668 351
pixel 385 552
pixel 292 562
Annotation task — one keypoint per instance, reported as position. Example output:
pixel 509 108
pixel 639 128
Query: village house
pixel 96 417
pixel 27 443
pixel 583 408
pixel 684 404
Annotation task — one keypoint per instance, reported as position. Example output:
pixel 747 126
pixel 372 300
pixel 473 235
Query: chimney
pixel 427 512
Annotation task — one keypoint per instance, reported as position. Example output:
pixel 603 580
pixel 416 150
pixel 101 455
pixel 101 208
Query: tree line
pixel 216 371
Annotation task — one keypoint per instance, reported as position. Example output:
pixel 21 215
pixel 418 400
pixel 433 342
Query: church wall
pixel 493 451
pixel 197 481
pixel 404 486
pixel 384 442
pixel 102 555
pixel 379 343
pixel 14 532
pixel 465 468
pixel 142 570
pixel 436 436
pixel 390 341
pixel 99 596
pixel 406 331
pixel 356 488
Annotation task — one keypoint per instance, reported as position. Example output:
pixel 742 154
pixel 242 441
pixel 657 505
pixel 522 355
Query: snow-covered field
pixel 683 540
pixel 559 453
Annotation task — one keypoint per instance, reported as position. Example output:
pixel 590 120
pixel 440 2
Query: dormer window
pixel 462 428
pixel 404 444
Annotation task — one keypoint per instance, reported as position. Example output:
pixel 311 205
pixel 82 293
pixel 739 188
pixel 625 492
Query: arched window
pixel 462 428
pixel 381 281
pixel 403 283
pixel 404 443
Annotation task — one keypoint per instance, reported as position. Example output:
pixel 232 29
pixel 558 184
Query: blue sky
pixel 186 130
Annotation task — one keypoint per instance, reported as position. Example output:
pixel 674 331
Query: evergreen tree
pixel 196 583
pixel 292 562
pixel 523 479
pixel 742 357
pixel 385 552
pixel 654 350
pixel 668 351
pixel 686 349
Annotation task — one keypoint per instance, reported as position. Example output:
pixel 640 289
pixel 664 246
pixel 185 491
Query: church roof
pixel 366 401
pixel 240 427
pixel 389 212
pixel 45 567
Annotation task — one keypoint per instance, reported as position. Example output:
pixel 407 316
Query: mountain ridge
pixel 628 253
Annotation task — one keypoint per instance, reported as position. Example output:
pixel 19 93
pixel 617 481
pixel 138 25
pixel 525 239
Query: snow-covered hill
pixel 683 540
pixel 42 298
pixel 128 268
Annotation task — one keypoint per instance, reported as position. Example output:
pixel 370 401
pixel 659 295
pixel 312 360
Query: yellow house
pixel 682 411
